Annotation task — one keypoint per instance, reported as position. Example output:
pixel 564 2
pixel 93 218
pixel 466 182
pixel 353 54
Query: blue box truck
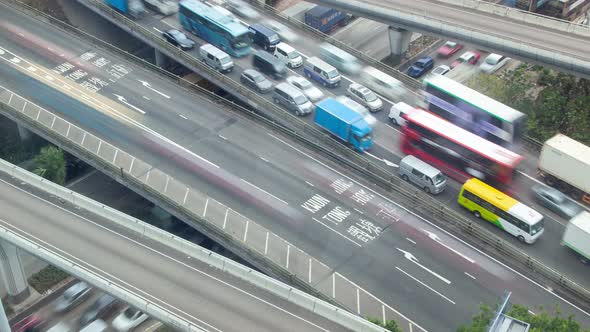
pixel 344 123
pixel 325 19
pixel 133 8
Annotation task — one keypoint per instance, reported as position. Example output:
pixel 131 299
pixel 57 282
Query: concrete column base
pixel 161 59
pixel 18 298
pixel 399 41
pixel 12 273
pixel 24 133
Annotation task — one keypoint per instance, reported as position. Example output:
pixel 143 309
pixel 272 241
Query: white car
pixel 282 30
pixel 310 91
pixel 493 62
pixel 441 70
pixel 360 109
pixel 243 9
pixel 129 319
pixel 364 96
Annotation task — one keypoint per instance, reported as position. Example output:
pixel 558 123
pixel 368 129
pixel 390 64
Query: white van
pixel 340 59
pixel 398 111
pixel 319 70
pixel 216 58
pixel 288 55
pixel 414 170
pixel 383 84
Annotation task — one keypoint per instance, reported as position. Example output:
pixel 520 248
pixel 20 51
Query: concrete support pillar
pixel 399 41
pixel 161 59
pixel 23 132
pixel 4 325
pixel 12 273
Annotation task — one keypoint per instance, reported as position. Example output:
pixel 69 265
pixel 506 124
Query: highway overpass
pixel 520 34
pixel 172 279
pixel 264 193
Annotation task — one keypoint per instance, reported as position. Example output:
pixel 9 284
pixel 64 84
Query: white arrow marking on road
pixel 387 162
pixel 124 101
pixel 414 260
pixel 147 85
pixel 437 239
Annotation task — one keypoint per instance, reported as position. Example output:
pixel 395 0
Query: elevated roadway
pixel 204 296
pixel 437 292
pixel 500 29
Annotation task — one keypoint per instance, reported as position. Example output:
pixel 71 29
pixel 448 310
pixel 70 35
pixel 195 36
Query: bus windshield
pixel 537 227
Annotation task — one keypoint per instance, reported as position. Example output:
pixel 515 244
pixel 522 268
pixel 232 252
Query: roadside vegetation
pixel 554 102
pixel 46 278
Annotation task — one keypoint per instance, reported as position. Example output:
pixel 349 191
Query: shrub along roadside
pixel 47 278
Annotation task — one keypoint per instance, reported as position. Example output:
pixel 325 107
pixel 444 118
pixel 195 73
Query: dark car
pixel 264 37
pixel 99 309
pixel 178 38
pixel 556 201
pixel 421 66
pixel 255 80
pixel 268 64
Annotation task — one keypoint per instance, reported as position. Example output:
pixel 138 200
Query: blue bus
pixel 216 27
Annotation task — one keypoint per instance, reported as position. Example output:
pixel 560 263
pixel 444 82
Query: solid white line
pixel 359 211
pixel 425 285
pixel 335 231
pixel 309 272
pixel 166 185
pixel 264 159
pixel 333 285
pixel 288 255
pixel 530 177
pixel 222 137
pixel 131 166
pixel 469 275
pixel 264 191
pixel 205 208
pixel 182 116
pixel 153 327
pixel 185 195
pixel 246 230
pixel 439 228
pixel 266 243
pixel 115 156
pixel 225 218
pixel 158 253
pixel 159 31
pixel 358 302
pixel 309 183
pixel 146 98
pixel 414 242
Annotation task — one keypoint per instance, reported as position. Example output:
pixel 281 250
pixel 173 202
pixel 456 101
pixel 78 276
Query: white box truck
pixel 577 235
pixel 565 164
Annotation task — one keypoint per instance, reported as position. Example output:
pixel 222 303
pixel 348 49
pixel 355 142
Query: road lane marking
pixel 149 86
pixel 159 31
pixel 436 239
pixel 124 101
pixel 309 183
pixel 410 240
pixel 337 232
pixel 425 285
pixel 409 256
pixel 469 275
pixel 146 98
pixel 266 192
pixel 182 116
pixel 155 252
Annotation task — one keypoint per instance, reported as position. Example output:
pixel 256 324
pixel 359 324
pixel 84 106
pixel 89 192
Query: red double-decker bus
pixel 457 152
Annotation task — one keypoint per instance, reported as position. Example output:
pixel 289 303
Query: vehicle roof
pixel 474 98
pixel 297 78
pixel 570 147
pixel 318 10
pixel 423 167
pixel 213 50
pixel 314 60
pixel 582 220
pixel 263 29
pixel 490 194
pixel 361 88
pixel 450 43
pixel 215 15
pixel 550 191
pixel 252 72
pixel 285 46
pixel 339 110
pixel 352 104
pixel 288 88
pixel 424 59
pixel 494 56
pixel 460 136
pixel 381 75
pixel 467 55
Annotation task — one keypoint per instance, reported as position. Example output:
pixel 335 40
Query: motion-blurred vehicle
pixel 264 37
pixel 340 59
pixel 268 64
pixel 98 325
pixel 398 113
pixel 493 62
pixel 61 327
pixel 282 30
pixel 360 109
pixel 129 319
pixel 31 323
pixel 216 58
pixel 242 9
pixel 420 67
pixel 164 7
pixel 256 81
pixel 556 201
pixel 177 38
pixel 364 96
pixel 288 55
pixel 133 8
pixel 292 98
pixel 309 90
pixel 72 296
pixel 448 49
pixel 469 57
pixel 441 70
pixel 383 84
pixel 325 19
pixel 104 305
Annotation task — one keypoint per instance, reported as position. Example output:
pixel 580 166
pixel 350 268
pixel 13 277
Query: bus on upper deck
pixel 216 27
pixel 457 152
pixel 505 212
pixel 474 111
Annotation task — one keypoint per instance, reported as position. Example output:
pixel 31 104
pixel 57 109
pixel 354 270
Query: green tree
pixel 51 164
pixel 389 325
pixel 541 321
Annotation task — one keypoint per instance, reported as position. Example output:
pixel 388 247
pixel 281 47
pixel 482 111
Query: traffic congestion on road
pixel 460 147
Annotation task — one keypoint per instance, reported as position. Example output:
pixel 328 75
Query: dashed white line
pixel 469 275
pixel 425 285
pixel 410 240
pixel 359 211
pixel 146 98
pixel 264 159
pixel 222 137
pixel 182 116
pixel 309 183
pixel 266 192
pixel 159 31
pixel 530 177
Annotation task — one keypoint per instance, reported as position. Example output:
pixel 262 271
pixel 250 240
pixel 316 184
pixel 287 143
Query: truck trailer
pixel 577 236
pixel 325 19
pixel 344 123
pixel 565 164
pixel 133 8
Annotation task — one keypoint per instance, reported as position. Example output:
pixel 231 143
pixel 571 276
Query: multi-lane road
pixel 197 292
pixel 430 276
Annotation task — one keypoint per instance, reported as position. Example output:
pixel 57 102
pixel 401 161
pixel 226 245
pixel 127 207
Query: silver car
pixel 72 296
pixel 556 201
pixel 256 81
pixel 365 97
pixel 310 91
pixel 493 62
